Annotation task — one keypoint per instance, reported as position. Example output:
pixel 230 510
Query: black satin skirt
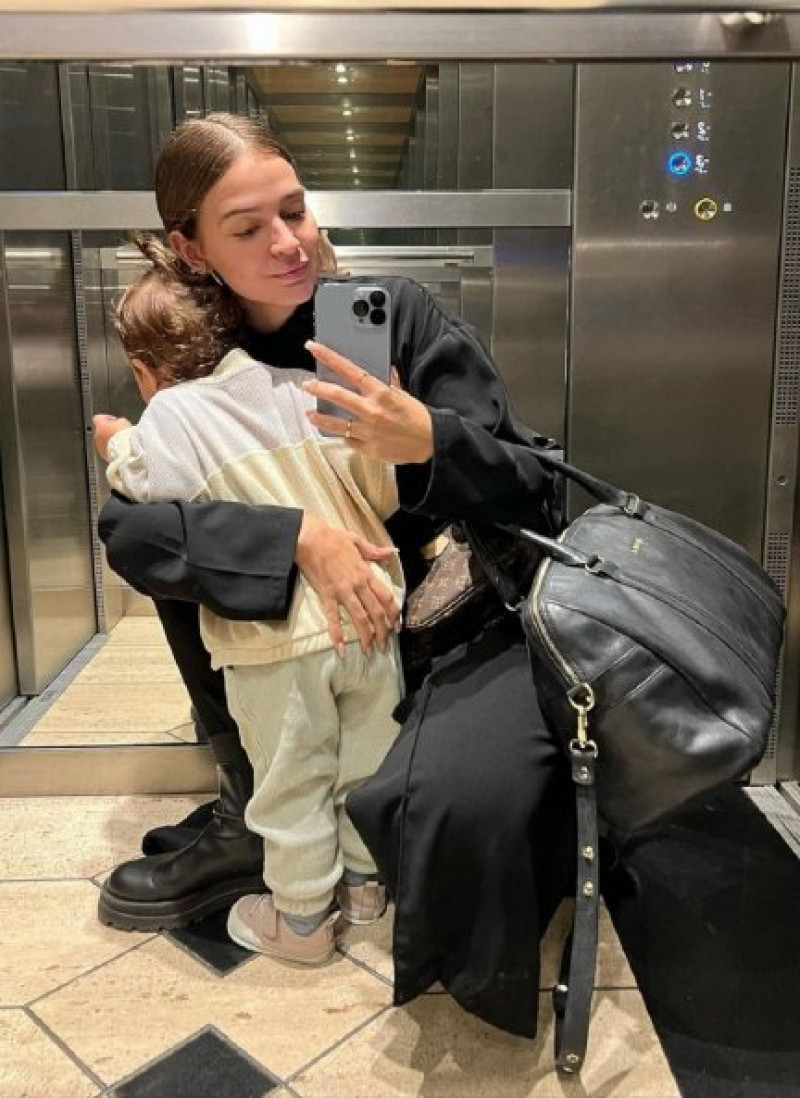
pixel 471 822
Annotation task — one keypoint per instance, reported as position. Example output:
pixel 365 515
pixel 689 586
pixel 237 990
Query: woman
pixel 469 818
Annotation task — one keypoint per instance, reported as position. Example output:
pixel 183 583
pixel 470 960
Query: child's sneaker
pixel 255 923
pixel 361 904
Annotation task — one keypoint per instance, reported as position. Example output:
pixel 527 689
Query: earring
pixel 219 281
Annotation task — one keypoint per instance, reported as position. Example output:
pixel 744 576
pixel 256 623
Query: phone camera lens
pixel 360 308
pixel 378 299
pixel 377 316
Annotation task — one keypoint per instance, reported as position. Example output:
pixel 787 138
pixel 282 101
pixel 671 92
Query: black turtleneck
pixel 285 346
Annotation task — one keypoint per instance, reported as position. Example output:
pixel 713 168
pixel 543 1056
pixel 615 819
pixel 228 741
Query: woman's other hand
pixel 336 564
pixel 384 422
pixel 105 426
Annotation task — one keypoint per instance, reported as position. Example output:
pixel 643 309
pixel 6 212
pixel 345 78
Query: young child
pixel 315 723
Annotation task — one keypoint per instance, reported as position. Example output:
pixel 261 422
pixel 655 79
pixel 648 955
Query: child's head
pixel 174 326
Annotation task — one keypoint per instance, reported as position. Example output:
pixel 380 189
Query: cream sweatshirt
pixel 241 434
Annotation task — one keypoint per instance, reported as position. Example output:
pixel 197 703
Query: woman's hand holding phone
pixel 384 422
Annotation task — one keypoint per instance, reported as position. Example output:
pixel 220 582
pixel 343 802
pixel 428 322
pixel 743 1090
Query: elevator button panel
pixel 686 187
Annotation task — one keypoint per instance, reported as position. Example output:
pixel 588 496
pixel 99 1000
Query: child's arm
pixel 152 460
pixel 120 444
pixel 105 427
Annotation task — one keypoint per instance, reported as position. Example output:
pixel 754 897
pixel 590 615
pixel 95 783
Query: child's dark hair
pixel 179 323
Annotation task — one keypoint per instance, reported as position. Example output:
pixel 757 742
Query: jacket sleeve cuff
pixel 422 488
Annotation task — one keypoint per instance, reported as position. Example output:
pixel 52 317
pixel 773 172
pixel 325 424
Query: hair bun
pixel 154 249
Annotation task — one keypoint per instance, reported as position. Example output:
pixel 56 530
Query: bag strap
pixel 572 995
pixel 599 489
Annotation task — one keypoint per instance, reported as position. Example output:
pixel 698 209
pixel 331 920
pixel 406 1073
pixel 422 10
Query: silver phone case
pixel 358 337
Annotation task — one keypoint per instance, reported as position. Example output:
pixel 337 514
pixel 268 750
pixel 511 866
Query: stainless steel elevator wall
pixel 9 683
pixel 674 311
pixel 42 433
pixel 46 489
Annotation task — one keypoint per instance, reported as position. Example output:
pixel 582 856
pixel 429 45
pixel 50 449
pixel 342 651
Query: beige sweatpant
pixel 314 728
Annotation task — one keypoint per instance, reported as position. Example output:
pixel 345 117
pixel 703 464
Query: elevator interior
pixel 627 244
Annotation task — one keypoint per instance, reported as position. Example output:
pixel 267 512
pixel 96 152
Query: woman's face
pixel 253 229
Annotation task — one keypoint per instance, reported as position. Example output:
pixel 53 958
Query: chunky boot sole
pixel 116 911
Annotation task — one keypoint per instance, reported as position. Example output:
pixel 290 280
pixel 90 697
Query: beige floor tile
pixel 138 631
pixel 98 739
pixel 136 605
pixel 613 969
pixel 119 708
pixel 433 1049
pixel 51 935
pixel 371 945
pixel 135 664
pixel 154 997
pixel 32 1066
pixel 44 837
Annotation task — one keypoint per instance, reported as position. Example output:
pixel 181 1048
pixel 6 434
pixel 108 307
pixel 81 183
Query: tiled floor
pixel 86 1010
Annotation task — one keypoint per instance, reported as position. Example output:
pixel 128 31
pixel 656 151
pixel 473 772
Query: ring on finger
pixel 348 431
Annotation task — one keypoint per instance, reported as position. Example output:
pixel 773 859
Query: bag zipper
pixel 568 672
pixel 681 535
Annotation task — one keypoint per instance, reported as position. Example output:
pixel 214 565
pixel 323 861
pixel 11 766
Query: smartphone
pixel 353 318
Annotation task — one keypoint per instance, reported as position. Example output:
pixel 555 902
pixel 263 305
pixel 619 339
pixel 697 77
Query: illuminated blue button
pixel 679 163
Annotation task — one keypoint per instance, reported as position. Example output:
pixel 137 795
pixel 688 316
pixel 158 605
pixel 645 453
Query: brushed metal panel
pixel 533 118
pixel 447 139
pixel 125 126
pixel 475 128
pixel 76 125
pixel 431 131
pixel 100 344
pixel 532 147
pixel 53 551
pixel 531 297
pixel 189 92
pixel 31 152
pixel 673 318
pixel 333 209
pixel 217 86
pixel 249 37
pixel 476 119
pixel 9 686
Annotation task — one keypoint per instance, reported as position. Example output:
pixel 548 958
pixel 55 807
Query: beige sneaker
pixel 361 904
pixel 255 923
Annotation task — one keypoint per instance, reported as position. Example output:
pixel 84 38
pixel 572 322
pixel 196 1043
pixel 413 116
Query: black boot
pixel 161 840
pixel 224 862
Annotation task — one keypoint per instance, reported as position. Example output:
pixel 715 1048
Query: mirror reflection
pixel 352 128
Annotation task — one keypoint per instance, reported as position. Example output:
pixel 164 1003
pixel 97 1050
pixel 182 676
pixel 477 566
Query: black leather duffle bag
pixel 656 640
pixel 654 645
